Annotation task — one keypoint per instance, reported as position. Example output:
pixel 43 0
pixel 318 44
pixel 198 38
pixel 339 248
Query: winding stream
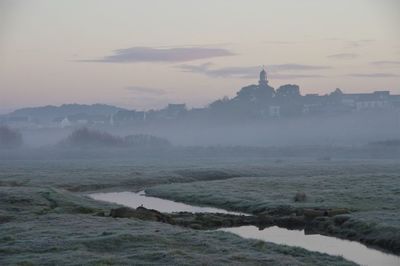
pixel 135 200
pixel 350 250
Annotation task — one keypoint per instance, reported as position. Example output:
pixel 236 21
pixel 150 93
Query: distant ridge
pixel 51 111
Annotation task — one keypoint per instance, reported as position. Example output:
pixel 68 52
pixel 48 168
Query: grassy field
pixel 46 218
pixel 369 189
pixel 357 191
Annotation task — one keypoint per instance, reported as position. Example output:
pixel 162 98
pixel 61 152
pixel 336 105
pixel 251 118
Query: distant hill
pixel 51 112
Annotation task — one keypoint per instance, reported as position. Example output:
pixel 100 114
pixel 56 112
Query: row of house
pixel 287 101
pixel 338 103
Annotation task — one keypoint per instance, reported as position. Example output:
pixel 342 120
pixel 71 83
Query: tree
pixel 288 90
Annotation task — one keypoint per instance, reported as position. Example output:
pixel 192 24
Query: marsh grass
pixel 46 218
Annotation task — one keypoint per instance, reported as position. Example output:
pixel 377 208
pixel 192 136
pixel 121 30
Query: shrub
pixel 85 137
pixel 10 138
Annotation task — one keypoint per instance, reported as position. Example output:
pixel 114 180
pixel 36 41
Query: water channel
pixel 350 250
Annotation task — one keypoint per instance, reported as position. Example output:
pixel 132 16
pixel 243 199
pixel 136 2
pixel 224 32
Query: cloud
pixel 332 39
pixel 280 42
pixel 295 76
pixel 142 97
pixel 150 54
pixel 373 75
pixel 386 63
pixel 297 67
pixel 351 43
pixel 145 90
pixel 251 72
pixel 359 43
pixel 237 72
pixel 343 56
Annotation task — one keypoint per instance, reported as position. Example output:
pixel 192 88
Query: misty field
pixel 46 217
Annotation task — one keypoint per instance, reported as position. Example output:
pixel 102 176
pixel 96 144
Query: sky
pixel 145 54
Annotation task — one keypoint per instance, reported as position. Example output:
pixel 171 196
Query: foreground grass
pixel 82 239
pixel 50 226
pixel 45 218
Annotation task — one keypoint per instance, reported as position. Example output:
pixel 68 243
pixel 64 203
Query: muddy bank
pixel 208 221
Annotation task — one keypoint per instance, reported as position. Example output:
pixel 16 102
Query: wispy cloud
pixel 238 72
pixel 332 39
pixel 295 76
pixel 280 42
pixel 274 71
pixel 386 63
pixel 359 43
pixel 373 75
pixel 151 54
pixel 145 90
pixel 297 67
pixel 144 97
pixel 343 56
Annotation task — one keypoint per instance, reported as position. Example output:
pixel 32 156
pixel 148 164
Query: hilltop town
pixel 258 102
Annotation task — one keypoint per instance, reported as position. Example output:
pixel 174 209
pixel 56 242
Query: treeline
pixel 91 138
pixel 386 143
pixel 10 138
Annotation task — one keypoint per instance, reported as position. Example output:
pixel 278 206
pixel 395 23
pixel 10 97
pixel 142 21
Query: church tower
pixel 263 82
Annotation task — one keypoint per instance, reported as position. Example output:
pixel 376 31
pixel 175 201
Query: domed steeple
pixel 263 78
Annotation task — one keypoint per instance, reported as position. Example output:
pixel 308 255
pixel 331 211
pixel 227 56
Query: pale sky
pixel 145 54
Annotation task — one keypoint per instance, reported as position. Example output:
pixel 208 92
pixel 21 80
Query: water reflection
pixel 135 200
pixel 350 250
